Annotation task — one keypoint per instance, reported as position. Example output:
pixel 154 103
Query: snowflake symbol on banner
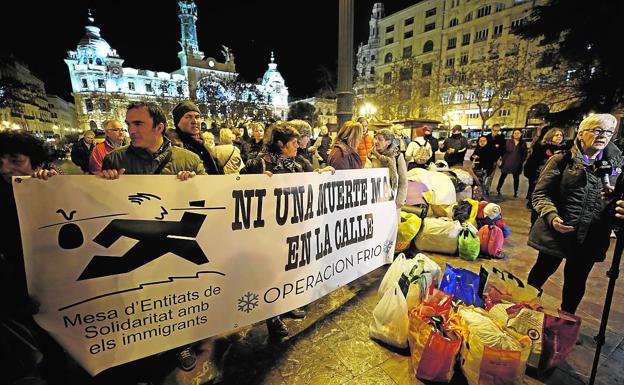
pixel 248 302
pixel 387 246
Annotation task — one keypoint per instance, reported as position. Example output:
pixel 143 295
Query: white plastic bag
pixel 399 266
pixel 390 321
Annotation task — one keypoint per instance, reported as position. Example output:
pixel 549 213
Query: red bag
pixel 492 240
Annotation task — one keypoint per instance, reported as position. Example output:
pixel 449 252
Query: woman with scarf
pixel 280 157
pixel 387 155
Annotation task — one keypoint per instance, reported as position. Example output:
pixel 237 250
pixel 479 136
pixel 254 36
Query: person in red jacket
pixel 114 139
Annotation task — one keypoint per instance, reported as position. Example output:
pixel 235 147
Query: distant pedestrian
pixel 365 145
pixel 455 147
pixel 81 151
pixel 515 154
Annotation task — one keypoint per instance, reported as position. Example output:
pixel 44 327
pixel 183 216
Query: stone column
pixel 345 62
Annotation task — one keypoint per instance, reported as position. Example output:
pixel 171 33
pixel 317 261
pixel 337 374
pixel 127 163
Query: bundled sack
pixel 440 188
pixel 390 321
pixel 466 211
pixel 554 335
pixel 492 241
pixel 439 235
pixel 433 347
pixel 468 243
pixel 500 286
pixel 407 230
pixel 463 284
pixel 491 354
pixel 420 280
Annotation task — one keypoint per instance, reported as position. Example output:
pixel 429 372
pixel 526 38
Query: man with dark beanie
pixel 187 134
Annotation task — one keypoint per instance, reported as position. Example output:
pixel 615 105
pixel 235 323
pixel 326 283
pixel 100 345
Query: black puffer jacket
pixel 569 188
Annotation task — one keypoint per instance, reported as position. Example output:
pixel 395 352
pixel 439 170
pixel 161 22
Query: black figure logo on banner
pixel 155 239
pixel 70 235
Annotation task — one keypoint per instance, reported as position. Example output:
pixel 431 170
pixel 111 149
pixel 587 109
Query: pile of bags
pixel 490 325
pixel 452 229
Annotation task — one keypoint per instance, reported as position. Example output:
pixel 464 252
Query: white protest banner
pixel 127 268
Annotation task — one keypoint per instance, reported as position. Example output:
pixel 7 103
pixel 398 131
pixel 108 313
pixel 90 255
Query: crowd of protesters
pixel 563 222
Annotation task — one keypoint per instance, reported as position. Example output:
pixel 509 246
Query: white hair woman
pixel 573 204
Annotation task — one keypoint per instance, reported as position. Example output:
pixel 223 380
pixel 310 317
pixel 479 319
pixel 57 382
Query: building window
pixel 446 97
pixel 430 12
pixel 101 83
pixel 98 61
pixel 473 115
pixel 484 11
pixel 454 3
pixel 408 34
pixel 372 57
pixel 181 90
pixel 450 62
pixel 103 105
pixel 462 77
pixel 84 83
pixel 448 79
pixel 388 58
pixel 452 43
pixel 389 40
pixel 468 17
pixel 428 46
pixel 387 78
pixel 463 60
pixel 131 86
pixel 466 39
pixel 481 35
pixel 88 105
pixel 459 97
pixel 409 21
pixel 498 30
pixel 505 112
pixel 471 95
pixel 429 27
pixel 426 90
pixel 453 22
pixel 372 70
pixel 407 52
pixel 500 7
pixel 390 28
pixel 426 69
pixel 517 23
pixel 405 73
pixel 148 87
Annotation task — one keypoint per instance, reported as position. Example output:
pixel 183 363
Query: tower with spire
pixel 368 56
pixel 275 89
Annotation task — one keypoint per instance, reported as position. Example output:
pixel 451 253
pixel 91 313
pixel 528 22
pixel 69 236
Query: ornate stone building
pixel 102 86
pixel 420 61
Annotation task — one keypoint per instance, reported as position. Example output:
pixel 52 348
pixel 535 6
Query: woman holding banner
pixel 344 154
pixel 279 156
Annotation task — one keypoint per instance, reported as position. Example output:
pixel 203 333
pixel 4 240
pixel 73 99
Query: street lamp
pixel 367 110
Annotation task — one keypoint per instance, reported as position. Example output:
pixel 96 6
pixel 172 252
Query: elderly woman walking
pixel 573 205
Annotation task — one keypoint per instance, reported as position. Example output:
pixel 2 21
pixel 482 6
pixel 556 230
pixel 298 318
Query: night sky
pixel 146 35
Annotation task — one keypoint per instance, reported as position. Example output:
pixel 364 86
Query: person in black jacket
pixel 455 147
pixel 550 144
pixel 574 206
pixel 187 134
pixel 81 151
pixel 433 142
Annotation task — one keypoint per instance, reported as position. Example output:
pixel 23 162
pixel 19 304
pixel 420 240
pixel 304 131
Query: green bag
pixel 407 230
pixel 469 244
